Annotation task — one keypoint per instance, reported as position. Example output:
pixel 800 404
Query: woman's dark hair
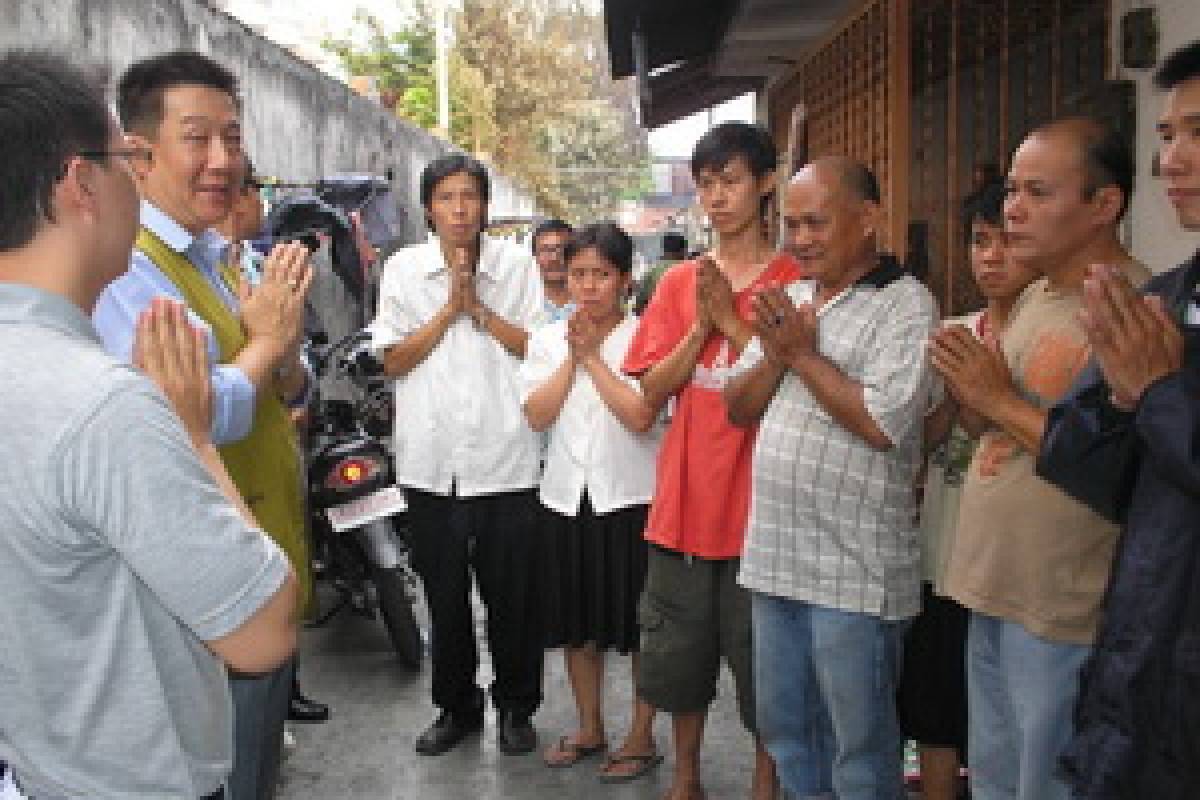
pixel 439 169
pixel 674 245
pixel 607 239
pixel 142 87
pixel 1182 65
pixel 50 110
pixel 731 139
pixel 986 205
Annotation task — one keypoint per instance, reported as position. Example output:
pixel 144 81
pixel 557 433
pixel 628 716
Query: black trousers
pixel 495 537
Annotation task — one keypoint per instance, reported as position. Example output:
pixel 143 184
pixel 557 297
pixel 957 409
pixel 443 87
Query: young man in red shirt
pixel 693 613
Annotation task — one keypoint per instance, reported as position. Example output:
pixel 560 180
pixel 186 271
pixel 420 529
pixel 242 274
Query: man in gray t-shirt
pixel 131 568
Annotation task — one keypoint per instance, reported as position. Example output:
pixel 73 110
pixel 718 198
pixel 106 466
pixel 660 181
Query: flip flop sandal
pixel 644 761
pixel 574 753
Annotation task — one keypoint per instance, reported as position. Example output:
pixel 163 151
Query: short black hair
pixel 986 205
pixel 141 89
pixel 443 167
pixel 554 225
pixel 607 239
pixel 731 139
pixel 861 182
pixel 50 110
pixel 1182 65
pixel 1109 160
pixel 674 243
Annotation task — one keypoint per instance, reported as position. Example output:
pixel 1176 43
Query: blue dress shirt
pixel 121 304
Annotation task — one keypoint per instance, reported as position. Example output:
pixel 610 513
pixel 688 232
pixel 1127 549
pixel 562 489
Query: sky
pixel 678 138
pixel 673 140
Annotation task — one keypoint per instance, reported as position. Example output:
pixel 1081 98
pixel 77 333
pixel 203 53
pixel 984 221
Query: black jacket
pixel 1138 715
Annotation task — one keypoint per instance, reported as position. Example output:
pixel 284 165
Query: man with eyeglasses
pixel 181 110
pixel 549 251
pixel 133 573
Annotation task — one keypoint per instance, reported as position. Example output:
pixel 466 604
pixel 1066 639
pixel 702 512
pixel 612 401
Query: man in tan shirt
pixel 1030 562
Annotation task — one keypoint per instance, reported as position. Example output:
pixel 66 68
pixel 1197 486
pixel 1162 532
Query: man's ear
pixel 1107 201
pixel 766 183
pixel 77 191
pixel 874 220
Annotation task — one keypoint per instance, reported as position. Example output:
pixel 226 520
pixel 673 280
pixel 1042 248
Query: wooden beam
pixel 899 156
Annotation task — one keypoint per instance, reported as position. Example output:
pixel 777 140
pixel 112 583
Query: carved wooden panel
pixel 994 70
pixel 983 74
pixel 846 92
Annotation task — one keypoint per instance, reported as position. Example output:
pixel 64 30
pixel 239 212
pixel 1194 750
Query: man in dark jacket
pixel 1126 440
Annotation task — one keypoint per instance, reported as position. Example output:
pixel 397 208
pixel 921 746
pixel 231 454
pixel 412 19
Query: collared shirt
pixel 458 413
pixel 551 313
pixel 589 448
pixel 121 304
pixel 1025 551
pixel 832 518
pixel 120 558
pixel 702 487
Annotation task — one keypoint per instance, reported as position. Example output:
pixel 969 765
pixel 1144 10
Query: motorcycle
pixel 355 507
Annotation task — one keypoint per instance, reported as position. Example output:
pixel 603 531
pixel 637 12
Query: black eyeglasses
pixel 127 153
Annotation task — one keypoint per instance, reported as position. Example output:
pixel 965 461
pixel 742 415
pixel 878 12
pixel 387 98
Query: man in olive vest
pixel 181 111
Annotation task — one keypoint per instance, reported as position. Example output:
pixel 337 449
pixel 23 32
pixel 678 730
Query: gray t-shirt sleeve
pixel 132 479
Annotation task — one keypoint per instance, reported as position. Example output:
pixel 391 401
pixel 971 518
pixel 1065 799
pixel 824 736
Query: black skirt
pixel 932 698
pixel 595 567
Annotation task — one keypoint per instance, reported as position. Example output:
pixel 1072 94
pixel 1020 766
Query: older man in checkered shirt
pixel 839 377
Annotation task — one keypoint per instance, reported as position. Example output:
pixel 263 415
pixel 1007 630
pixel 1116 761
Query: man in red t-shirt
pixel 692 612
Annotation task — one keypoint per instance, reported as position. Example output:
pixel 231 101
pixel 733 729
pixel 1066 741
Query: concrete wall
pixel 1155 235
pixel 300 124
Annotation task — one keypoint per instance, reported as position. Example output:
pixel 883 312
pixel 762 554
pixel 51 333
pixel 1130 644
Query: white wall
pixel 1156 237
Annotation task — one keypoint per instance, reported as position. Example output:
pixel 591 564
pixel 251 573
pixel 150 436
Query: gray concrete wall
pixel 300 124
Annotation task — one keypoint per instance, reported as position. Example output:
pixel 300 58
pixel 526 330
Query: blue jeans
pixel 1021 690
pixel 826 687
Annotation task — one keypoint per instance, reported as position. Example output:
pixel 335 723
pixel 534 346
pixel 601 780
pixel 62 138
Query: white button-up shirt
pixel 589 448
pixel 458 413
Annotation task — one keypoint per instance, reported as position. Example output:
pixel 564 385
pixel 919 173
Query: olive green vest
pixel 265 465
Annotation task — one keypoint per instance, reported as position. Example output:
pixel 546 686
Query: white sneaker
pixel 289 743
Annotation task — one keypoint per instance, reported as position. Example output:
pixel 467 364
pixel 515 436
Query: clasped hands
pixel 1133 338
pixel 463 299
pixel 273 311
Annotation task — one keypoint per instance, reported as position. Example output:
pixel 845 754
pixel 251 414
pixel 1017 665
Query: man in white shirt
pixel 549 244
pixel 453 319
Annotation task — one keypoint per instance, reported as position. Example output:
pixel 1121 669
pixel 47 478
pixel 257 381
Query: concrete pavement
pixel 365 752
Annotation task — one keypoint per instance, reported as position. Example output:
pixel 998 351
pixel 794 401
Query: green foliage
pixel 529 92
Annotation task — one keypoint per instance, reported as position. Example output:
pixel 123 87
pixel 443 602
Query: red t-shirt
pixel 702 489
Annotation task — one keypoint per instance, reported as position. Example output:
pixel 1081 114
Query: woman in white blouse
pixel 595 490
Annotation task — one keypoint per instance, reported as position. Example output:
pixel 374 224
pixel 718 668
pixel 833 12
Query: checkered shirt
pixel 832 519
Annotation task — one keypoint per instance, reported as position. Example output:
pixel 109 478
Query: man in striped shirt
pixel 838 376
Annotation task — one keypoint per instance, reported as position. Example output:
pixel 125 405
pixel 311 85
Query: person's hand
pixel 273 311
pixel 1133 338
pixel 584 337
pixel 463 299
pixel 976 374
pixel 174 354
pixel 786 331
pixel 714 295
